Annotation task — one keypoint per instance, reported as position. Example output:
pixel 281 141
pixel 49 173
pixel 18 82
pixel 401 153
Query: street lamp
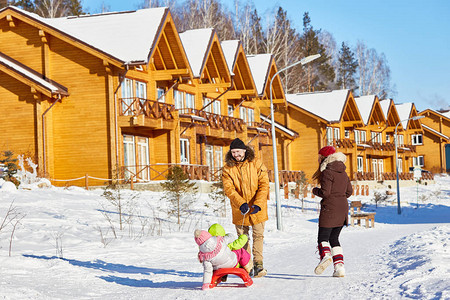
pixel 399 209
pixel 274 146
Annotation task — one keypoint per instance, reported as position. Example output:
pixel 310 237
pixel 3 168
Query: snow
pixel 385 104
pixel 259 66
pixel 57 252
pixel 365 104
pixel 326 105
pixel 435 132
pixel 279 126
pixel 404 113
pixel 29 74
pixel 196 43
pixel 137 31
pixel 230 50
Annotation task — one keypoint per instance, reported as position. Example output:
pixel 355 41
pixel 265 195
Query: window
pixel 337 133
pixel 388 138
pixel 400 165
pixel 179 99
pixel 184 151
pixel 129 156
pixel 416 139
pixel 216 107
pixel 243 113
pixel 360 136
pixel 127 96
pixel 251 115
pixel 360 164
pixel 161 97
pixel 141 92
pixel 219 157
pixel 399 139
pixel 329 136
pixel 143 159
pixel 418 161
pixel 376 137
pixel 209 151
pixel 230 110
pixel 190 101
pixel 208 108
pixel 347 134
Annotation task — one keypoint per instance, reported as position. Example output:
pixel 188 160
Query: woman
pixel 334 190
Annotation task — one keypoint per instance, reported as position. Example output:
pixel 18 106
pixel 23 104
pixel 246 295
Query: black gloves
pixel 315 191
pixel 244 208
pixel 256 208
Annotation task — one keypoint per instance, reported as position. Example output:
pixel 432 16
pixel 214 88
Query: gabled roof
pixel 435 132
pixel 205 55
pixel 437 113
pixel 328 106
pixel 243 83
pixel 196 43
pixel 291 133
pixel 30 77
pixel 390 112
pixel 406 111
pixel 138 31
pixel 230 51
pixel 370 110
pixel 260 66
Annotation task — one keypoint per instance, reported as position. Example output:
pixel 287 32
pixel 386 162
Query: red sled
pixel 218 274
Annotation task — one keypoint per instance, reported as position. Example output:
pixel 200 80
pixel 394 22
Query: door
pixel 143 159
pixel 127 97
pixel 129 156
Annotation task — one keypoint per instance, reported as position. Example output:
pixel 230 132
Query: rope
pixel 91 177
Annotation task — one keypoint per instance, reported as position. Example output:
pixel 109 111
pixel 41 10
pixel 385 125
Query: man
pixel 246 184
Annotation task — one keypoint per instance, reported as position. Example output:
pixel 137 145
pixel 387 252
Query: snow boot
pixel 258 270
pixel 248 267
pixel 325 257
pixel 338 261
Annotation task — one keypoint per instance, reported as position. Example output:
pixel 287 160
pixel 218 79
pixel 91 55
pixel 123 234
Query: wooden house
pixel 409 133
pixel 91 94
pixel 323 118
pixel 263 69
pixel 375 154
pixel 434 152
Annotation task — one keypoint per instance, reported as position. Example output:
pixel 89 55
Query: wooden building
pixel 434 151
pixel 321 119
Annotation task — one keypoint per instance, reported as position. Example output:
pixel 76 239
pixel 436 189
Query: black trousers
pixel 330 235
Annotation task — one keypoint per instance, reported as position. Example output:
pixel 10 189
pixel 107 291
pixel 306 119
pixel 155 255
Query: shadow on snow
pixel 128 269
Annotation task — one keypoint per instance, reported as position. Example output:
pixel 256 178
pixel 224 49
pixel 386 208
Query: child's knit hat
pixel 201 236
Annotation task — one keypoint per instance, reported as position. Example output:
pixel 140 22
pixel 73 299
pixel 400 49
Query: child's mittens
pixel 206 286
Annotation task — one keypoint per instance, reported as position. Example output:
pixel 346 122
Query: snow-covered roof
pixel 326 105
pixel 365 105
pixel 259 66
pixel 279 126
pixel 128 36
pixel 385 104
pixel 230 50
pixel 404 111
pixel 435 132
pixel 31 75
pixel 196 43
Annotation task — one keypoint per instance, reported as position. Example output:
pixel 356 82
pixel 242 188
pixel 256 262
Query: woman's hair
pixel 316 175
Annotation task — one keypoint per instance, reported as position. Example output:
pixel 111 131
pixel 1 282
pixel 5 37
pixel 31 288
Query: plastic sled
pixel 218 274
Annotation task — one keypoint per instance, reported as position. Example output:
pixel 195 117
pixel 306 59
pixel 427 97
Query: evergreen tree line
pixel 359 68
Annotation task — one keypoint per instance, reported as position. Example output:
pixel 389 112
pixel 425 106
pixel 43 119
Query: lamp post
pixel 274 146
pixel 399 209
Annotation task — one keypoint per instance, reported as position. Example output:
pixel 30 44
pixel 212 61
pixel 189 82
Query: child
pixel 214 254
pixel 217 230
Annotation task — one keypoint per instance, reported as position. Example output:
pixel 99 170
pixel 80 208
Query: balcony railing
pixel 285 176
pixel 344 143
pixel 145 173
pixel 361 176
pixel 136 106
pixel 216 121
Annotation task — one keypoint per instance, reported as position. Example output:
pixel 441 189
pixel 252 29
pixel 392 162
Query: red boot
pixel 325 258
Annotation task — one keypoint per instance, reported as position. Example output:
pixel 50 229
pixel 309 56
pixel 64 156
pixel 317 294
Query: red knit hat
pixel 201 236
pixel 327 150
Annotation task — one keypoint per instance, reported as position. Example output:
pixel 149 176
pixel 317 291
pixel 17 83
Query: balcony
pixel 361 176
pixel 214 121
pixel 136 106
pixel 146 173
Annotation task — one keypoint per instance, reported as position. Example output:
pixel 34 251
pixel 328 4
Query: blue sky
pixel 414 35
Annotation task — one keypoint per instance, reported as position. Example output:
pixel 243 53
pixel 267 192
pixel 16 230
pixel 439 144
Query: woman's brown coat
pixel 246 182
pixel 335 188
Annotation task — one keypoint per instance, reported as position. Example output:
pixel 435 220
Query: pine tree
pixel 320 74
pixel 347 68
pixel 179 191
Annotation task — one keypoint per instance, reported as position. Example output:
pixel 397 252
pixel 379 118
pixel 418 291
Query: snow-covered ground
pixel 64 248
